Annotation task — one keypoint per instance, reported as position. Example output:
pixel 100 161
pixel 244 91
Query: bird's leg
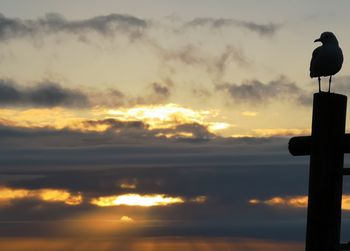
pixel 329 83
pixel 319 84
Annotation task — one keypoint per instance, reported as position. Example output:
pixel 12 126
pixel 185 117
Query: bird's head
pixel 327 38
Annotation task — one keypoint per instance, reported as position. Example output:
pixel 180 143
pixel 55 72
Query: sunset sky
pixel 159 124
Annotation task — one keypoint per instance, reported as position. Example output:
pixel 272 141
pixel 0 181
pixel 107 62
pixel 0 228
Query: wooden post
pixel 326 179
pixel 326 147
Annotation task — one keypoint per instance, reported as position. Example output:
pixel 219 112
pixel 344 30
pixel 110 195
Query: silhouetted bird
pixel 327 59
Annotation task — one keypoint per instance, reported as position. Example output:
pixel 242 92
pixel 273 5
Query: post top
pixel 324 95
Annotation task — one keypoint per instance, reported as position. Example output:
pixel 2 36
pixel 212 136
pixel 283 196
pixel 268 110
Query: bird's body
pixel 327 59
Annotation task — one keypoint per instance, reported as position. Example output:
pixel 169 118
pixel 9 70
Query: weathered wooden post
pixel 326 148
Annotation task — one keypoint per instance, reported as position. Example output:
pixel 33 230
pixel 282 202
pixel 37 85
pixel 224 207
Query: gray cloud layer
pixel 52 94
pixel 53 23
pixel 255 91
pixel 44 94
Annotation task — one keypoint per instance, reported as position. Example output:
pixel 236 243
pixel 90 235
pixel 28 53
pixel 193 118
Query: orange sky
pixel 157 124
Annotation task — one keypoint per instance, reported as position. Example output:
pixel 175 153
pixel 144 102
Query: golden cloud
pixel 126 219
pixel 272 132
pixel 299 201
pixel 48 195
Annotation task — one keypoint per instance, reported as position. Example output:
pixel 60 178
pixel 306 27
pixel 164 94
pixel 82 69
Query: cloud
pixel 43 94
pixel 230 53
pixel 54 23
pixel 257 92
pixel 114 124
pixel 299 201
pixel 52 94
pixel 161 90
pixel 126 219
pixel 194 131
pixel 7 195
pixel 197 56
pixel 110 24
pixel 261 29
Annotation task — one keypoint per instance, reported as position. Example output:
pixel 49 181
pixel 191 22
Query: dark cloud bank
pixel 43 94
pixel 257 92
pixel 228 171
pixel 51 94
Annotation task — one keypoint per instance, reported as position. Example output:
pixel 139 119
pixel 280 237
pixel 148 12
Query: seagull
pixel 327 59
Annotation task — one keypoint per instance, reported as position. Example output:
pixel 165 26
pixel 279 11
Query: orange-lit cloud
pixel 136 200
pixel 273 132
pixel 48 195
pixel 199 199
pixel 126 219
pixel 64 196
pixel 294 201
pixel 55 118
pixel 279 132
pixel 128 184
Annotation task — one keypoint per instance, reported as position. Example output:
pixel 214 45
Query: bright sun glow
pixel 136 200
pixel 169 116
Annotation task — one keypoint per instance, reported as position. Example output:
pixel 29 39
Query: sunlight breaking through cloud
pixel 169 116
pixel 168 120
pixel 136 200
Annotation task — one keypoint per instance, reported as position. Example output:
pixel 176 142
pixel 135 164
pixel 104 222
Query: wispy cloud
pixel 268 29
pixel 55 23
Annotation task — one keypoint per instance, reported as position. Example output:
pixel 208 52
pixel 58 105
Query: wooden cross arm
pixel 301 146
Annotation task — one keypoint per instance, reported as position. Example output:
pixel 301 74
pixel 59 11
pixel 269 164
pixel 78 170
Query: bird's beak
pixel 317 40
